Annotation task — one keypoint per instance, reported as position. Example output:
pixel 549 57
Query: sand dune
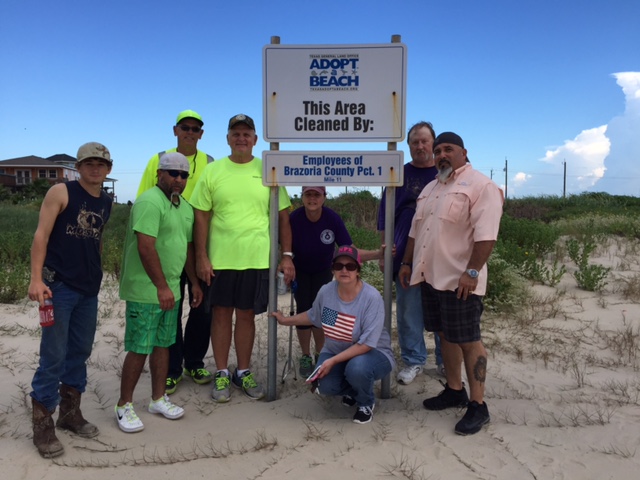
pixel 563 391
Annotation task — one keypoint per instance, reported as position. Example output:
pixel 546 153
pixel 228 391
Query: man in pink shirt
pixel 452 235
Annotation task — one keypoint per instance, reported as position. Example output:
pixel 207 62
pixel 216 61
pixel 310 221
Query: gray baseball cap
pixel 174 161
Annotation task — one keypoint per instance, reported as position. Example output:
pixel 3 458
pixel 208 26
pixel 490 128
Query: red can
pixel 46 312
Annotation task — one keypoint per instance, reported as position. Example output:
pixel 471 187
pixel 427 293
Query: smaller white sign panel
pixel 348 168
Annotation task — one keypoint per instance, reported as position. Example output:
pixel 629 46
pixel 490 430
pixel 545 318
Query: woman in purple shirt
pixel 317 231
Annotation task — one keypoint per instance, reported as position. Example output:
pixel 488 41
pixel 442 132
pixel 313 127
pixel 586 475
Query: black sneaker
pixel 448 398
pixel 477 415
pixel 363 415
pixel 348 401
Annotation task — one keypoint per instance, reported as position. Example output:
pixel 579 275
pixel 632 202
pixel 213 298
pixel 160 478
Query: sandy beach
pixel 563 390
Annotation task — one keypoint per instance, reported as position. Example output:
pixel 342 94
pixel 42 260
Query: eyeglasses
pixel 176 173
pixel 351 267
pixel 186 128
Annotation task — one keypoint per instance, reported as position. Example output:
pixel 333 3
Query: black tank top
pixel 73 251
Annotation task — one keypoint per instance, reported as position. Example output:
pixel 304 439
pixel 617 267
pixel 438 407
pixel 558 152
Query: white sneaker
pixel 408 374
pixel 128 421
pixel 164 407
pixel 440 370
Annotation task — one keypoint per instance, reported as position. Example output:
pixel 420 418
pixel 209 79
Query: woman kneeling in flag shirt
pixel 357 349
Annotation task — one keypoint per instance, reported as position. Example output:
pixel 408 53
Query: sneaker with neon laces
pixel 363 415
pixel 306 365
pixel 164 407
pixel 248 385
pixel 127 419
pixel 201 376
pixel 172 384
pixel 220 392
pixel 408 374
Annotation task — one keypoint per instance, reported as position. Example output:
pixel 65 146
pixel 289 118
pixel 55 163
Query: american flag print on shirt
pixel 337 326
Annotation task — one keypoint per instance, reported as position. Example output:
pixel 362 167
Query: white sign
pixel 344 93
pixel 332 168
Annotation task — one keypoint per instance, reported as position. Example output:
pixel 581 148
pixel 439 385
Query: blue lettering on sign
pixel 334 73
pixel 334 63
pixel 344 81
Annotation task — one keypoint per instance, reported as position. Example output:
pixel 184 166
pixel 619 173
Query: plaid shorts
pixel 148 326
pixel 457 319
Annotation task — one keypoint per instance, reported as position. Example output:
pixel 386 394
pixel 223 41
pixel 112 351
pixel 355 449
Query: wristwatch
pixel 473 273
pixel 288 254
pixel 405 263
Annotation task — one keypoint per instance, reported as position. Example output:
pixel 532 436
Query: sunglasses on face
pixel 176 173
pixel 351 267
pixel 186 128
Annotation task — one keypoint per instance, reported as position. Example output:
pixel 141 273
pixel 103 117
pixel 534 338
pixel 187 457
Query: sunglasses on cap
pixel 178 173
pixel 351 267
pixel 186 128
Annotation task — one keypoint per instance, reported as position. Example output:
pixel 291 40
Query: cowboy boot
pixel 44 433
pixel 70 417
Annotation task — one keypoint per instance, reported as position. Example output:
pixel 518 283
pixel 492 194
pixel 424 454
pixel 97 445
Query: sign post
pixel 332 93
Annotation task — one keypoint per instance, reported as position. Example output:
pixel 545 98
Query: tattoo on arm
pixel 480 369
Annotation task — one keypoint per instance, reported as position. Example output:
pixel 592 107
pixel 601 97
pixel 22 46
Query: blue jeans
pixel 411 326
pixel 355 377
pixel 66 345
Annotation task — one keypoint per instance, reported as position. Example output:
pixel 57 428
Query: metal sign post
pixel 332 93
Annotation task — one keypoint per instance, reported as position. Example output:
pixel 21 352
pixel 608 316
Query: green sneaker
pixel 172 384
pixel 306 366
pixel 248 385
pixel 201 376
pixel 220 392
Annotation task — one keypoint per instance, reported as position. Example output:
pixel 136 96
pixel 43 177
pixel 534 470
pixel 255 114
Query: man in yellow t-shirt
pixel 192 347
pixel 231 237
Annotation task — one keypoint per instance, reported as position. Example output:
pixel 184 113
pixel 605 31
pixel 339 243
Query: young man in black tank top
pixel 66 267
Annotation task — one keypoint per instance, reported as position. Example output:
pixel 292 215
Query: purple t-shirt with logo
pixel 314 242
pixel 415 179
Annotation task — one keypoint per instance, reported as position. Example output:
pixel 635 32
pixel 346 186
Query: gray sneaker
pixel 220 392
pixel 248 385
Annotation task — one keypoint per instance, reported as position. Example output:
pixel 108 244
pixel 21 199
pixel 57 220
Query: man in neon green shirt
pixel 231 238
pixel 192 347
pixel 158 247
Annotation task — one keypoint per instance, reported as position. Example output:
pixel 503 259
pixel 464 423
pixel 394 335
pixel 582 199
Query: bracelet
pixel 407 264
pixel 287 254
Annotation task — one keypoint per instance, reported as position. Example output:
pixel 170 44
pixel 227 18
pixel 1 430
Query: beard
pixel 175 198
pixel 444 172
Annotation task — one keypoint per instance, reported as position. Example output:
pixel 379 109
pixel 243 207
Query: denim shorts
pixel 148 326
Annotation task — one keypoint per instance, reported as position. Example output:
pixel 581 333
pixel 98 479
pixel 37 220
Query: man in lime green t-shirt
pixel 191 347
pixel 158 247
pixel 231 240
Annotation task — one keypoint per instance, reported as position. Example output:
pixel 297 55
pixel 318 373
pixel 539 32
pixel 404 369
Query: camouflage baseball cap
pixel 94 150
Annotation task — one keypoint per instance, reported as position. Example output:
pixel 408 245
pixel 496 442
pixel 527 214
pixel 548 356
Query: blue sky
pixel 536 82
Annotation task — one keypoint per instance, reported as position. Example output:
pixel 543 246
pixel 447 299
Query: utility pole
pixel 564 179
pixel 492 174
pixel 506 176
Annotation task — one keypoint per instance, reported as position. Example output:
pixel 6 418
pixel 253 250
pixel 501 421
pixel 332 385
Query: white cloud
pixel 622 176
pixel 584 155
pixel 520 178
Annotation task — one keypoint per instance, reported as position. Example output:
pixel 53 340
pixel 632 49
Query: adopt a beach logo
pixel 328 71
